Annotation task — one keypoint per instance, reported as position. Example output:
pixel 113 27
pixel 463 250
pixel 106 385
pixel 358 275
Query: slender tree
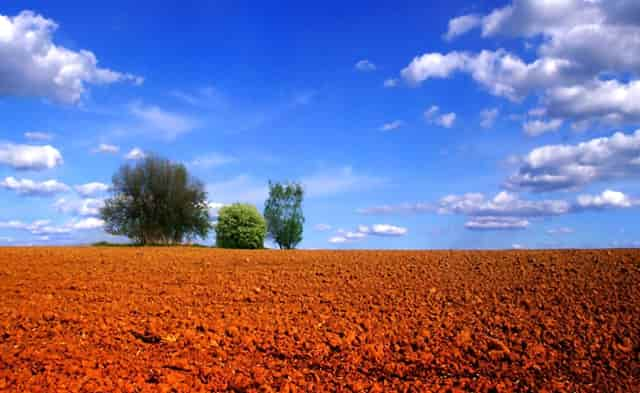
pixel 283 213
pixel 156 202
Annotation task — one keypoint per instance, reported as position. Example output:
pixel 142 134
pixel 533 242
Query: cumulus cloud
pixel 539 127
pixel 607 199
pixel 135 154
pixel 503 74
pixel 79 207
pixel 365 66
pixel 38 136
pixel 364 231
pixel 31 64
pixel 461 25
pixel 432 115
pixel 87 223
pixel 506 211
pixel 392 125
pixel 503 204
pixel 28 157
pixel 433 65
pixel 488 117
pixel 46 228
pixel 565 167
pixel 106 148
pixel 608 101
pixel 28 187
pixel 588 57
pixel 92 188
pixel 39 227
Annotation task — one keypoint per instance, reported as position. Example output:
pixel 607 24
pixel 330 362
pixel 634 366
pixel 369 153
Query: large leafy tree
pixel 283 213
pixel 240 226
pixel 156 201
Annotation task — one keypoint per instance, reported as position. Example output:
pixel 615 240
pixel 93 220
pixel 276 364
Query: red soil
pixel 185 319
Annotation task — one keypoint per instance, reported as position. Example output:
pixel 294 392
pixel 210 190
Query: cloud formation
pixel 28 187
pixel 588 59
pixel 365 66
pixel 394 125
pixel 32 65
pixel 566 167
pixel 90 189
pixel 28 157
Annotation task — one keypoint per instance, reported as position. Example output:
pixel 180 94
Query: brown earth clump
pixel 187 319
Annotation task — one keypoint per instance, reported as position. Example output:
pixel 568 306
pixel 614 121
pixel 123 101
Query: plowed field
pixel 187 319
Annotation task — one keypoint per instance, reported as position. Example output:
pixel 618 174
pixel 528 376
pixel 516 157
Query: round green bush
pixel 240 226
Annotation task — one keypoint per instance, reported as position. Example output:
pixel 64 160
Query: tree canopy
pixel 156 201
pixel 240 226
pixel 283 213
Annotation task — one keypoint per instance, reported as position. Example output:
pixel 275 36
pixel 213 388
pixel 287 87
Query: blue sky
pixel 421 125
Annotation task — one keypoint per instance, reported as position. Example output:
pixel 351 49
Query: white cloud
pixel 392 125
pixel 500 72
pixel 322 227
pixel 365 65
pixel 29 187
pixel 155 120
pixel 39 227
pixel 563 167
pixel 92 188
pixel 391 82
pixel 605 101
pixel 106 148
pixel 503 204
pixel 211 160
pixel 446 120
pixel 38 136
pixel 488 223
pixel 28 157
pixel 135 154
pixel 387 230
pixel 87 207
pixel 539 127
pixel 31 64
pixel 364 231
pixel 433 65
pixel 87 223
pixel 339 180
pixel 607 199
pixel 432 115
pixel 488 117
pixel 588 57
pixel 461 25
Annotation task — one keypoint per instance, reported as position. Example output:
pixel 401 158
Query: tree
pixel 156 202
pixel 240 226
pixel 283 212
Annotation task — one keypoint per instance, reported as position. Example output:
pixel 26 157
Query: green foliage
pixel 283 213
pixel 156 202
pixel 240 226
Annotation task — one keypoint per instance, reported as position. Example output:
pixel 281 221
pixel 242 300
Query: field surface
pixel 187 319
